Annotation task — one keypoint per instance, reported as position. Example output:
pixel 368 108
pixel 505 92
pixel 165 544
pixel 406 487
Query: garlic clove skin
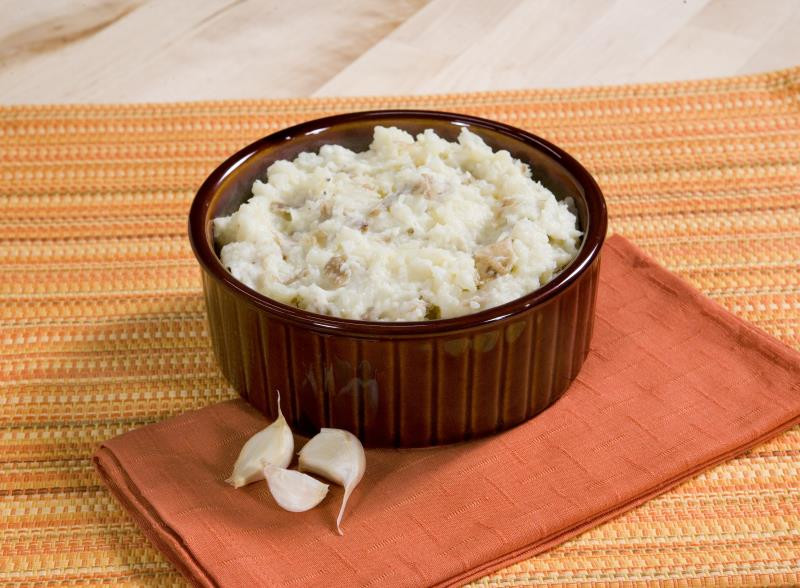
pixel 292 490
pixel 336 455
pixel 274 445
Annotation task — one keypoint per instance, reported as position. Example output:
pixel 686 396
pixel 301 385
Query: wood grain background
pixel 134 51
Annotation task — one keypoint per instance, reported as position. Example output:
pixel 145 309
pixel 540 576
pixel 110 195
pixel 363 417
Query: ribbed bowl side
pixel 401 385
pixel 405 392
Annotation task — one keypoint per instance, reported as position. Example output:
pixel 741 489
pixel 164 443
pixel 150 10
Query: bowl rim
pixel 594 233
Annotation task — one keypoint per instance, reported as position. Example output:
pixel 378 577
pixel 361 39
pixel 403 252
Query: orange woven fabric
pixel 672 385
pixel 102 320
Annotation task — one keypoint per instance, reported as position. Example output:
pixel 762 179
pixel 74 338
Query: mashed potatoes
pixel 407 230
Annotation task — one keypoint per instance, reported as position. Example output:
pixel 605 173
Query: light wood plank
pixel 133 50
pixel 206 49
pixel 420 48
pixel 722 39
pixel 538 43
pixel 782 42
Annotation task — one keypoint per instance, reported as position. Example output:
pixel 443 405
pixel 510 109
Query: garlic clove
pixel 274 445
pixel 292 490
pixel 338 456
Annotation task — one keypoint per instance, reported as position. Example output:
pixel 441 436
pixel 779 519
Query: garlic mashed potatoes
pixel 411 229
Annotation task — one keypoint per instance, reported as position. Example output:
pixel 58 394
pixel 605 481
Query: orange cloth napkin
pixel 673 385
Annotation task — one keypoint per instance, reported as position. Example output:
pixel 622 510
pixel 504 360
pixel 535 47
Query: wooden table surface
pixel 136 51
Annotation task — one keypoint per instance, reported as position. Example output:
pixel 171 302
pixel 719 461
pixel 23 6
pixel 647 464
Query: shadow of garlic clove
pixel 292 490
pixel 338 456
pixel 274 445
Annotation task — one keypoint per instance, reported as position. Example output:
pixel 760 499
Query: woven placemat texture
pixel 102 324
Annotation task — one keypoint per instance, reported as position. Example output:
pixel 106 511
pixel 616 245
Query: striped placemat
pixel 102 322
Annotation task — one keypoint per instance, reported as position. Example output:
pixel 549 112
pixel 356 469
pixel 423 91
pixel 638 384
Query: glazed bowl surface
pixel 401 384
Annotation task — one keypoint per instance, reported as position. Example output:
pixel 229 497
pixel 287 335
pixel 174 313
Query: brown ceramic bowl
pixel 394 383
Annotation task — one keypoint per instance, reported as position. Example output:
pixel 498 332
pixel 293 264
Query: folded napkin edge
pixel 170 544
pixel 146 517
pixel 563 536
